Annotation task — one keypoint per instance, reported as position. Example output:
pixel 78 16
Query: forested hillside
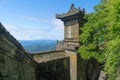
pixel 38 45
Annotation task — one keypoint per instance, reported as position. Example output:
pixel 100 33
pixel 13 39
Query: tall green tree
pixel 100 36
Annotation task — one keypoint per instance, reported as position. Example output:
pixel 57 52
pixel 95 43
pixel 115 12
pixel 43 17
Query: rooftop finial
pixel 79 8
pixel 83 10
pixel 72 5
pixel 0 23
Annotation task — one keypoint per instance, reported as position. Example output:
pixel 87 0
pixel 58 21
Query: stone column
pixel 73 65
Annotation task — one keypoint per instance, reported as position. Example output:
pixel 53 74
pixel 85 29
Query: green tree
pixel 100 36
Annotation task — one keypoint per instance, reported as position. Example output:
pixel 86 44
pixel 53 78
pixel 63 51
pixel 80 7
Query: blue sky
pixel 35 19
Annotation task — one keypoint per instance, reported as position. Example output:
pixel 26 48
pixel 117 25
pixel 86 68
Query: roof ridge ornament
pixel 84 10
pixel 72 6
pixel 72 11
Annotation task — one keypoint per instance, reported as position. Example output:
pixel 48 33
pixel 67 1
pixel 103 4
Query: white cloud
pixel 48 21
pixel 58 25
pixel 31 18
pixel 30 34
pixel 22 34
pixel 27 33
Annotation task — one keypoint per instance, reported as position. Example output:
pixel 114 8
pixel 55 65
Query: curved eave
pixel 66 15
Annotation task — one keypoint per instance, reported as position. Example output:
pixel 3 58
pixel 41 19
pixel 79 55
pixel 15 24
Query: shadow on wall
pixel 87 69
pixel 92 70
pixel 54 70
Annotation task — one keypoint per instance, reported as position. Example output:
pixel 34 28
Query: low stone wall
pixel 49 56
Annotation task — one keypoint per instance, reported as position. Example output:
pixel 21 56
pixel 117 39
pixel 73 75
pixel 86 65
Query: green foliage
pixel 100 36
pixel 113 58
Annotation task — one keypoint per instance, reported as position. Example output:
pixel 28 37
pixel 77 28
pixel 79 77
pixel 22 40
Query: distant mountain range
pixel 38 45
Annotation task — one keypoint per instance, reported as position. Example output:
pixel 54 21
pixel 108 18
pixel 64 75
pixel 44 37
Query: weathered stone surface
pixel 49 56
pixel 15 63
pixel 103 75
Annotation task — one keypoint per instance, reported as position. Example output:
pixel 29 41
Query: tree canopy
pixel 100 37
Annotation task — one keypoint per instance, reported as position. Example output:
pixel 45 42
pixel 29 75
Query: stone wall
pixel 49 56
pixel 15 70
pixel 15 62
pixel 78 69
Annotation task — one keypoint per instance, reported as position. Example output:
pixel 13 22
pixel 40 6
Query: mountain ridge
pixel 38 45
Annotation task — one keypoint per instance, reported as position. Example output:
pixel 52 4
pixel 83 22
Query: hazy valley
pixel 38 45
